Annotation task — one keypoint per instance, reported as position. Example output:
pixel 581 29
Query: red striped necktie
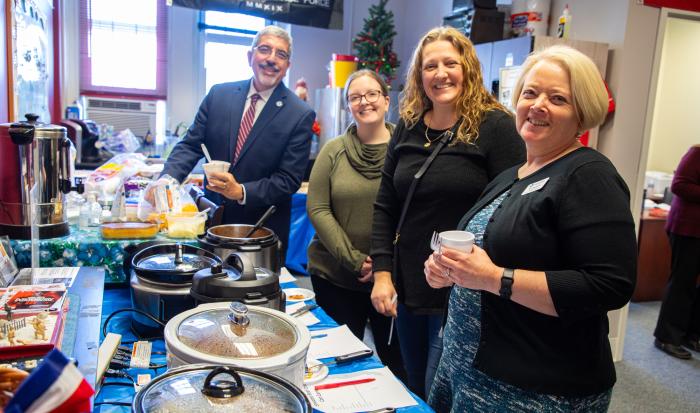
pixel 246 125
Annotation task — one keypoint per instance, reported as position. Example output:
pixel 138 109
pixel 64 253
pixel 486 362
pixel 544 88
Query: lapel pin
pixel 279 103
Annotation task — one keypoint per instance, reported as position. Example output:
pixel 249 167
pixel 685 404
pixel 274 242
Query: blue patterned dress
pixel 459 387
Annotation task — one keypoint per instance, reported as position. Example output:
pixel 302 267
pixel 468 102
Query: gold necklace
pixel 430 141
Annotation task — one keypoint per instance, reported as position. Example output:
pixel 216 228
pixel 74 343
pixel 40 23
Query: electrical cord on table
pixel 155 320
pixel 123 404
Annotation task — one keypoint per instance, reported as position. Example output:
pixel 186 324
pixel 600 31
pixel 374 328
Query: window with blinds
pixel 123 47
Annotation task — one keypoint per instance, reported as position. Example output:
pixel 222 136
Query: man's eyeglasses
pixel 266 50
pixel 371 97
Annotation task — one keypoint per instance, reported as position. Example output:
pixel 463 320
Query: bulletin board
pixel 30 67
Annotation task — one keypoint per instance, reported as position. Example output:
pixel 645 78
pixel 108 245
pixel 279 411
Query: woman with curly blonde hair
pixel 444 94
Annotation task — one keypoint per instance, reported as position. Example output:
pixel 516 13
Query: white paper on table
pixel 52 275
pixel 286 276
pixel 385 391
pixel 337 342
pixel 308 319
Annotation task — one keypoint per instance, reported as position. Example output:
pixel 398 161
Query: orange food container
pixel 342 67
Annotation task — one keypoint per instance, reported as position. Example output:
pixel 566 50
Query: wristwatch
pixel 506 283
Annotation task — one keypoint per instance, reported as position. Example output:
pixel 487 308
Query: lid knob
pixel 223 389
pixel 239 314
pixel 31 117
pixel 178 254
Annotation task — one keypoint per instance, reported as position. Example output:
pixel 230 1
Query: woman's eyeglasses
pixel 371 97
pixel 266 50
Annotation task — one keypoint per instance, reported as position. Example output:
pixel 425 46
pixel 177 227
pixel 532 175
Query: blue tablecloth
pixel 300 233
pixel 115 299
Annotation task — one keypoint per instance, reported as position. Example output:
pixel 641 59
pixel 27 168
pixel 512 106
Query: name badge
pixel 535 186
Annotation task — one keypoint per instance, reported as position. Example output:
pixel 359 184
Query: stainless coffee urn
pixel 36 158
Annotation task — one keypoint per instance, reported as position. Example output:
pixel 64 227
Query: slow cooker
pixel 262 247
pixel 161 276
pixel 258 338
pixel 200 388
pixel 239 281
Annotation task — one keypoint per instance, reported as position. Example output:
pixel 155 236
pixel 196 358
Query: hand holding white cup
pixel 457 240
pixel 215 166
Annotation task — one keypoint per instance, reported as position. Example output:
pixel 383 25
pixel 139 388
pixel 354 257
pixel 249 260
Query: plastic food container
pixel 185 225
pixel 342 67
pixel 129 230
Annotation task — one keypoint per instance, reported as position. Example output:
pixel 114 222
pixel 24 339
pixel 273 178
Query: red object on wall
pixel 55 103
pixel 674 4
pixel 4 96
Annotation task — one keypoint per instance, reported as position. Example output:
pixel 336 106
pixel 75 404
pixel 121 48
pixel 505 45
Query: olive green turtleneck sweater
pixel 342 188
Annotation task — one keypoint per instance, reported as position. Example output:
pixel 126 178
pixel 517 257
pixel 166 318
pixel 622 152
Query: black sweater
pixel 449 187
pixel 578 229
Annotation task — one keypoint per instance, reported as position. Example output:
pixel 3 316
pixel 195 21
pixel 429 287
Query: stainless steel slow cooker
pixel 161 277
pixel 238 280
pixel 262 247
pixel 200 388
pixel 257 338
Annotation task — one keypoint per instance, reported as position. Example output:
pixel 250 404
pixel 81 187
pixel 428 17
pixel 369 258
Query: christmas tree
pixel 374 43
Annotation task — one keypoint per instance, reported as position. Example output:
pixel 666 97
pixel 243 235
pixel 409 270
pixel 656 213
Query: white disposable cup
pixel 458 240
pixel 215 166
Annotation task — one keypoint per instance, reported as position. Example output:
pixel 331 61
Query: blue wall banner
pixel 327 14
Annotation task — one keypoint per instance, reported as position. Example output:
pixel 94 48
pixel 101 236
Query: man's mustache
pixel 269 65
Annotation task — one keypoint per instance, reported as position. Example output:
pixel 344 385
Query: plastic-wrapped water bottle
pixel 84 218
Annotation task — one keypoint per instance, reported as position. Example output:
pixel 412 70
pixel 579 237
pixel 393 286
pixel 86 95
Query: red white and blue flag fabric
pixel 55 386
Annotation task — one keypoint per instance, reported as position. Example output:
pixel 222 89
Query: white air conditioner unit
pixel 140 116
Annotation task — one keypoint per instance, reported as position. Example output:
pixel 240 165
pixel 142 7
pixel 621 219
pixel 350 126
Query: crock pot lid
pixel 181 391
pixel 43 130
pixel 211 332
pixel 167 262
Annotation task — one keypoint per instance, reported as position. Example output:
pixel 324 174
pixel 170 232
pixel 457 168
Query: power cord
pixel 119 374
pixel 123 404
pixel 133 310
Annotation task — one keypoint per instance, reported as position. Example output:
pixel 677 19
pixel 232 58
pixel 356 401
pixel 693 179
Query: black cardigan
pixel 450 186
pixel 578 229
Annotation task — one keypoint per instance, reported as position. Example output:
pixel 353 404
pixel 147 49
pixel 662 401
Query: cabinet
pixel 654 259
pixel 493 57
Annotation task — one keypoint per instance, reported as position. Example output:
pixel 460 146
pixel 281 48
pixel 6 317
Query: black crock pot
pixel 160 275
pixel 238 280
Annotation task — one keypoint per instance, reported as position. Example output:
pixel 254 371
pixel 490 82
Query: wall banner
pixel 327 14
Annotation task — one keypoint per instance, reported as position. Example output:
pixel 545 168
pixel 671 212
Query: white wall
pixel 674 124
pixel 592 20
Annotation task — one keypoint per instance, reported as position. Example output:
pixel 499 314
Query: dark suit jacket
pixel 272 162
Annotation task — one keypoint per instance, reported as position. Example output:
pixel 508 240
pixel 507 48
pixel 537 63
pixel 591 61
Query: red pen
pixel 343 384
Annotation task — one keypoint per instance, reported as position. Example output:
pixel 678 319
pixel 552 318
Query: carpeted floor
pixel 649 380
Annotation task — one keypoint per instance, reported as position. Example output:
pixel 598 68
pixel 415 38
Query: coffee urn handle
pixel 64 161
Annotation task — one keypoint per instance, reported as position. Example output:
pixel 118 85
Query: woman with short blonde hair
pixel 554 251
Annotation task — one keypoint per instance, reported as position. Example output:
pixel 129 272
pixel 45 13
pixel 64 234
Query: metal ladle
pixel 261 221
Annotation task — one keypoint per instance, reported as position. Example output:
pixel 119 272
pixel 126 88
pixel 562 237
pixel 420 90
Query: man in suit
pixel 262 128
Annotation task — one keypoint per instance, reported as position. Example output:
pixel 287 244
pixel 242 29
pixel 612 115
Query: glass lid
pixel 237 333
pixel 174 262
pixel 217 389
